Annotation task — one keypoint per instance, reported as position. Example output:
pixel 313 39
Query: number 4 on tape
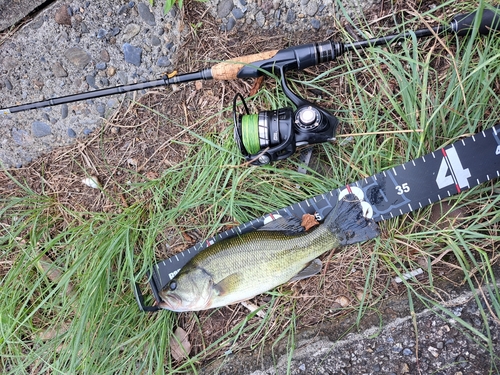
pixel 458 175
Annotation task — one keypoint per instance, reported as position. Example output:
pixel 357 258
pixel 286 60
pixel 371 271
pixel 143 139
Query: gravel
pixel 78 46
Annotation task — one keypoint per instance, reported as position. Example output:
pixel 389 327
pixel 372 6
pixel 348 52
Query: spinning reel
pixel 274 135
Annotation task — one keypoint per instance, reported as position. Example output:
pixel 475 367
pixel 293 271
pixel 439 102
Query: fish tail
pixel 348 223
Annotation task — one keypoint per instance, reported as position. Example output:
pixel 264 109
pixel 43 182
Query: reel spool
pixel 274 135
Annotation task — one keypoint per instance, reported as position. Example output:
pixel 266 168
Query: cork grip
pixel 229 69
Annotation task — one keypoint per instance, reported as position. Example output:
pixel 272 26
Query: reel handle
pixel 490 21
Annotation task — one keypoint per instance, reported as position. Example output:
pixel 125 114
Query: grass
pixel 67 271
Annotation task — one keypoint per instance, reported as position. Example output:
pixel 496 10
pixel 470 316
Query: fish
pixel 244 266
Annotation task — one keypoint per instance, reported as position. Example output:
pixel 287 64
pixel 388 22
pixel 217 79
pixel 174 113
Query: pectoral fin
pixel 228 284
pixel 287 225
pixel 311 269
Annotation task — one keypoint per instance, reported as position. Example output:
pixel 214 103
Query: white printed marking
pixel 484 135
pixel 463 142
pixel 478 181
pixel 434 156
pixel 409 205
pixel 420 204
pixel 473 138
pixel 413 162
pixel 394 171
pixel 403 166
pixel 439 197
pixel 423 158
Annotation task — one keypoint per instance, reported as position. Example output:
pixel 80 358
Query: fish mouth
pixel 171 302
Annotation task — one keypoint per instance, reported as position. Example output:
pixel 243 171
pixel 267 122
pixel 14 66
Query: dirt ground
pixel 135 138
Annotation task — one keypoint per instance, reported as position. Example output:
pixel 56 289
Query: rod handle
pixel 463 23
pixel 229 69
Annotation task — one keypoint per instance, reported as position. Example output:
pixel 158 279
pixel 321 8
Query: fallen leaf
pixel 256 85
pixel 179 344
pixel 309 221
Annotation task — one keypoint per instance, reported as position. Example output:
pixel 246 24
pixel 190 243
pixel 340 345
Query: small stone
pixel 87 131
pixel 230 24
pixel 77 56
pixel 90 79
pixel 104 55
pixel 132 54
pixel 101 108
pixel 62 16
pixel 224 8
pixel 84 28
pixel 407 352
pixel 19 136
pixel 397 348
pixel 71 133
pixel 130 31
pixel 260 18
pixel 101 66
pixel 163 62
pixel 8 84
pixel 115 31
pixel 146 14
pixel 58 70
pixel 64 111
pixel 111 71
pixel 433 351
pixel 101 33
pixel 311 8
pixel 238 13
pixel 122 77
pixel 290 16
pixel 123 9
pixel 316 24
pixel 155 41
pixel 40 129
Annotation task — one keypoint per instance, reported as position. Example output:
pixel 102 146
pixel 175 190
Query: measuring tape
pixel 407 187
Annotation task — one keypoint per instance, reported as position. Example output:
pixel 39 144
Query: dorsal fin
pixel 286 225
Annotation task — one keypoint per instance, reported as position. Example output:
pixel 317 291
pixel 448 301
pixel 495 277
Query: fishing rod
pixel 274 135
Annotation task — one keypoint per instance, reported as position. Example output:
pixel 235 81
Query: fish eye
pixel 172 285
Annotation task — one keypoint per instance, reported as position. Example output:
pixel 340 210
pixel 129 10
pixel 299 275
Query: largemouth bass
pixel 242 267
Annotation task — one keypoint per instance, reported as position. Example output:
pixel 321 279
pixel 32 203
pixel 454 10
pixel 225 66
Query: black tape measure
pixel 410 186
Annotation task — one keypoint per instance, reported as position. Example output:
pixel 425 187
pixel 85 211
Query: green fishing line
pixel 250 133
